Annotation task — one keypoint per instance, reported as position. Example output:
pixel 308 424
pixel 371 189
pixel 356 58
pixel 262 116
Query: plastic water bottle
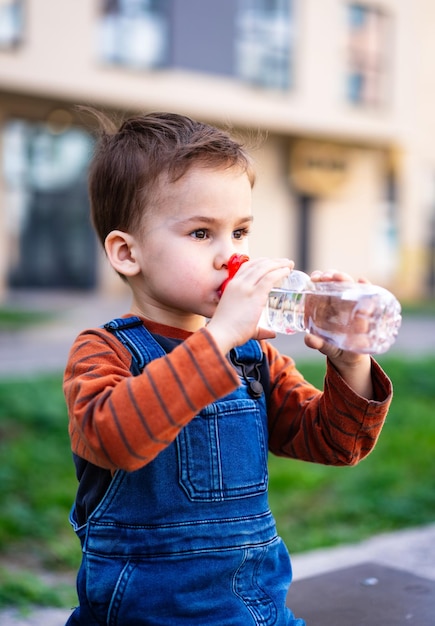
pixel 358 317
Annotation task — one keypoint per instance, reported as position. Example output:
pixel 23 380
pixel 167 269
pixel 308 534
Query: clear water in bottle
pixel 358 317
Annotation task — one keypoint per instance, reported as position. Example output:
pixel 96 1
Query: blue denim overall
pixel 189 539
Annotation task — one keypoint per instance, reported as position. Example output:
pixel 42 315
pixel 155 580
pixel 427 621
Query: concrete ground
pixel 45 347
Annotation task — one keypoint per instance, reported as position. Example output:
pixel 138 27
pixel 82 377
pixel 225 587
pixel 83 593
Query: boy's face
pixel 185 243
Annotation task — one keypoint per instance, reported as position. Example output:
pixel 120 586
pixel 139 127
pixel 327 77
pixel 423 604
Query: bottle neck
pixel 297 281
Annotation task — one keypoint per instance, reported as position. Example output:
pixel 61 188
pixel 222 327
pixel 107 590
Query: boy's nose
pixel 221 261
pixel 223 255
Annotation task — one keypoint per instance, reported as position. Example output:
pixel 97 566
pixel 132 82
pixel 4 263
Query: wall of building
pixel 57 67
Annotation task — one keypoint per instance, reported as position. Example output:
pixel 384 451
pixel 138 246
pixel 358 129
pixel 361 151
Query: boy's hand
pixel 235 320
pixel 354 368
pixel 317 343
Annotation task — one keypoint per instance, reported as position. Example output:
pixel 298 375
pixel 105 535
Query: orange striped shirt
pixel 121 421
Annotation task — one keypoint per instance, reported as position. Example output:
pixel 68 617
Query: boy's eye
pixel 201 233
pixel 240 233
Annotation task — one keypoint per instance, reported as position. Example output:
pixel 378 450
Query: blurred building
pixel 337 96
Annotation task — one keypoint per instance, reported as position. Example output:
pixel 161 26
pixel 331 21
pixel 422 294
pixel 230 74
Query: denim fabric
pixel 189 539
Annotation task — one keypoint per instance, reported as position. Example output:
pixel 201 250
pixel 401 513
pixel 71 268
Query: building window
pixel 264 42
pixel 133 33
pixel 46 206
pixel 368 42
pixel 11 23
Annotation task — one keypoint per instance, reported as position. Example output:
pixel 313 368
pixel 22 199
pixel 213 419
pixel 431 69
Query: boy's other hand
pixel 236 318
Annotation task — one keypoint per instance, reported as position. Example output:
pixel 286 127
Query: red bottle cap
pixel 234 263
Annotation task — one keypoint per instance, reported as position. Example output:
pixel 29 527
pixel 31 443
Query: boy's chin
pixel 208 312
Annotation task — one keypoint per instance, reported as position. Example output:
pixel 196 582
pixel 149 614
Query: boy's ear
pixel 120 250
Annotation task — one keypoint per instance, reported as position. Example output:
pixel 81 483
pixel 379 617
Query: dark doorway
pixel 52 243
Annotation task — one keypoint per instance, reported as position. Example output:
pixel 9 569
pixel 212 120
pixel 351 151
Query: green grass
pixel 37 485
pixel 314 505
pixel 17 319
pixel 419 307
pixel 24 588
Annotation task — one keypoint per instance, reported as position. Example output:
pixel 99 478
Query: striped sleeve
pixel 335 426
pixel 120 421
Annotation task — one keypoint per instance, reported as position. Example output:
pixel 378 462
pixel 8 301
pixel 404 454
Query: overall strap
pixel 249 352
pixel 137 339
pixel 250 359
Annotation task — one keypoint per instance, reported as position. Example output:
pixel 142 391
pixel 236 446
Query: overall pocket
pixel 222 453
pixel 261 582
pixel 102 588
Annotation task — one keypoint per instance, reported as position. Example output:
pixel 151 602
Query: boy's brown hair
pixel 130 164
